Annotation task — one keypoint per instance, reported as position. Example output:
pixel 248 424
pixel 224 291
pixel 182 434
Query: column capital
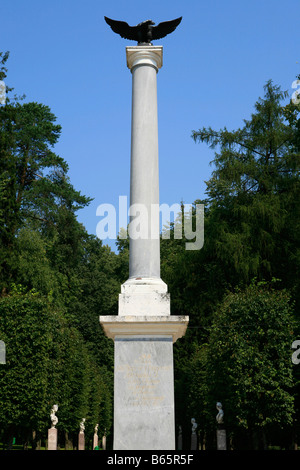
pixel 144 55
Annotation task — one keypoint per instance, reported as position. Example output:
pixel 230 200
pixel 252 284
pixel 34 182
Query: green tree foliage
pixel 252 213
pixel 251 230
pixel 26 330
pixel 248 363
pixel 33 267
pixel 76 381
pixel 47 362
pixel 253 193
pixel 98 286
pixel 44 249
pixel 34 184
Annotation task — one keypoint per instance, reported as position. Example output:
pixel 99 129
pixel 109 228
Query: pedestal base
pixel 81 441
pixel 144 393
pixel 95 441
pixel 52 439
pixel 221 439
pixel 144 379
pixel 194 442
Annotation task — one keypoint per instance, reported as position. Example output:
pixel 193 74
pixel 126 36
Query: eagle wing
pixel 164 28
pixel 123 29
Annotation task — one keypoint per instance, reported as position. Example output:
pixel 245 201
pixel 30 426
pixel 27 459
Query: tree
pixel 60 270
pixel 253 192
pixel 25 327
pixel 33 267
pixel 98 287
pixel 47 362
pixel 34 186
pixel 248 362
pixel 251 228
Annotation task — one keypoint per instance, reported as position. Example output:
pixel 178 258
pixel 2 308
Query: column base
pixel 144 296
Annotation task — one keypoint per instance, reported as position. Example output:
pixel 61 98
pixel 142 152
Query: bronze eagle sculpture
pixel 144 32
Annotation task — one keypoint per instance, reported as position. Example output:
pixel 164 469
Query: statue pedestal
pixel 95 441
pixel 81 442
pixel 221 439
pixel 52 439
pixel 194 442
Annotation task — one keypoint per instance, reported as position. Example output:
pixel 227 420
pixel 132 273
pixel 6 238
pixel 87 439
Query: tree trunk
pixel 68 442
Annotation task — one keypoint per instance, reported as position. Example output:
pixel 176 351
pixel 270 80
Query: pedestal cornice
pixel 144 55
pixel 131 325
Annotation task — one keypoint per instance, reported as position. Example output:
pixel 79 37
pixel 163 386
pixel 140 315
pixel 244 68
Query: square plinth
pixel 52 439
pixel 144 393
pixel 144 412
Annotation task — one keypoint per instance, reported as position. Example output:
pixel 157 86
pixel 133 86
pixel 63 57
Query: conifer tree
pixel 254 192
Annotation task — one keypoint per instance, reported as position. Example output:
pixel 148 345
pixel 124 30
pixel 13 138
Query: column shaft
pixel 144 253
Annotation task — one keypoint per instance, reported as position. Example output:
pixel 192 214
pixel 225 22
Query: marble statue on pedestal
pixel 194 425
pixel 82 427
pixel 220 415
pixel 54 419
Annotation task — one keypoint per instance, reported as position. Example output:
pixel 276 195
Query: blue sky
pixel 64 55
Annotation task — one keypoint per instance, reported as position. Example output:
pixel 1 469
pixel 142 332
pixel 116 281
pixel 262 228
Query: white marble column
pixel 144 258
pixel 144 293
pixel 144 330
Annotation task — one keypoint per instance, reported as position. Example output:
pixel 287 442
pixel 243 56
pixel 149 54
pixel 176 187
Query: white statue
pixel 82 427
pixel 53 417
pixel 194 425
pixel 96 428
pixel 220 415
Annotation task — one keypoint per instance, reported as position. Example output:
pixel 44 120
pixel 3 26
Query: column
pixel 144 293
pixel 144 330
pixel 144 254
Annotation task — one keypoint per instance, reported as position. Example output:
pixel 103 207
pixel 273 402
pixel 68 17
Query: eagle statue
pixel 145 32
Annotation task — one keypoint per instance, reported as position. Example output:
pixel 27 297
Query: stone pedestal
pixel 221 439
pixel 144 330
pixel 52 439
pixel 95 440
pixel 81 441
pixel 144 380
pixel 194 442
pixel 144 393
pixel 104 442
